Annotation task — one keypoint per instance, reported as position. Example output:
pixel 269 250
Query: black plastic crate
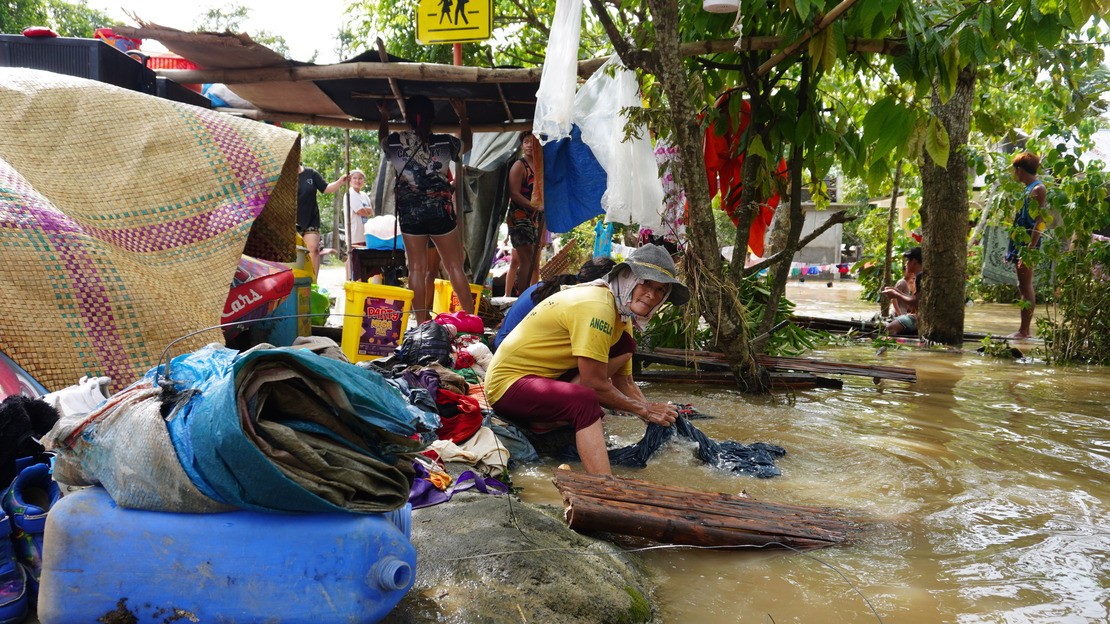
pixel 84 58
pixel 171 90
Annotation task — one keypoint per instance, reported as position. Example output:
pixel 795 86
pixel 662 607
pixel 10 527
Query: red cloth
pixel 463 359
pixel 724 163
pixel 462 321
pixel 465 424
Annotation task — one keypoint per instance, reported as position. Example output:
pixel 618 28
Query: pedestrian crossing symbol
pixel 453 21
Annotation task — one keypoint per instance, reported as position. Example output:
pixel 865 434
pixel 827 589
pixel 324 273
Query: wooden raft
pixel 863 329
pixel 710 360
pixel 780 380
pixel 674 515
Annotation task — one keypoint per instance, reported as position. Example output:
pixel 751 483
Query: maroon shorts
pixel 535 399
pixel 549 403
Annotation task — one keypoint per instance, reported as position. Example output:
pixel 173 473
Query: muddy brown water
pixel 987 481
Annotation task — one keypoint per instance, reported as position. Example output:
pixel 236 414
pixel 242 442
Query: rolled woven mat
pixel 122 220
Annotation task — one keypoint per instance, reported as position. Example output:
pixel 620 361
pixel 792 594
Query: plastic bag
pixel 425 344
pixel 634 193
pixel 555 97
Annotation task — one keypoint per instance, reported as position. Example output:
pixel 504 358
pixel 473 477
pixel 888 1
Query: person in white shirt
pixel 359 211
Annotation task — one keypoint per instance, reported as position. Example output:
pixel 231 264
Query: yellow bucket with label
pixel 375 320
pixel 445 300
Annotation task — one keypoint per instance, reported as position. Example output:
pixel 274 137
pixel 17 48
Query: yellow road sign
pixel 453 21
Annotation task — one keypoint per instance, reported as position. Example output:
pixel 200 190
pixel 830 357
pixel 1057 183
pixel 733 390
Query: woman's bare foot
pixel 1019 336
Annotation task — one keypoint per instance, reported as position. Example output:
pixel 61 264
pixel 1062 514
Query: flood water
pixel 986 483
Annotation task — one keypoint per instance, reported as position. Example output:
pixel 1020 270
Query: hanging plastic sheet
pixel 634 193
pixel 555 97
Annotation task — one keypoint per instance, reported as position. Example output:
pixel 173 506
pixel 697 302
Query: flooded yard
pixel 986 482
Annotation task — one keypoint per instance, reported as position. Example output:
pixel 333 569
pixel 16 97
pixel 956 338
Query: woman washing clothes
pixel 572 355
pixel 424 192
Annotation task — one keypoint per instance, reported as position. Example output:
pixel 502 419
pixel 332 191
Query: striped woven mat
pixel 122 220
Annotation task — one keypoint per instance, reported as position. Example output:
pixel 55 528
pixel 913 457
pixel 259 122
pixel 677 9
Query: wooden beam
pixel 482 75
pixel 393 86
pixel 356 95
pixel 357 124
pixel 426 72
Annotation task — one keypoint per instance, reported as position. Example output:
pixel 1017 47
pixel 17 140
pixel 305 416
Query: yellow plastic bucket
pixel 445 300
pixel 376 319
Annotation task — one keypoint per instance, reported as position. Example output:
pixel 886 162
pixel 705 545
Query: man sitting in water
pixel 572 354
pixel 905 302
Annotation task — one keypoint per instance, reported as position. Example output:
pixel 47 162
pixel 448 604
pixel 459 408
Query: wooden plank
pixel 716 361
pixel 861 328
pixel 725 511
pixel 676 515
pixel 779 380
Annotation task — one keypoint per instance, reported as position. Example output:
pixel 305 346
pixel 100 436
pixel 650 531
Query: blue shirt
pixel 516 314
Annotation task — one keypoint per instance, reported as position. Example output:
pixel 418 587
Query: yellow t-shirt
pixel 577 322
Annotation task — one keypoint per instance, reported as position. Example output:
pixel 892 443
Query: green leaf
pixel 756 148
pixel 803 8
pixel 937 143
pixel 986 19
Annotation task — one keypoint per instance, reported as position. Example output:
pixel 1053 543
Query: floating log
pixel 716 361
pixel 675 515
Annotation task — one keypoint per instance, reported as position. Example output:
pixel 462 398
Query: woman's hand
pixel 659 414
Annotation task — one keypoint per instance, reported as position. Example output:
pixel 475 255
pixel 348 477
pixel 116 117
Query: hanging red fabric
pixel 724 163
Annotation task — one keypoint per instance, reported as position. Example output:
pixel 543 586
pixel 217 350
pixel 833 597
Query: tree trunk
pixel 795 222
pixel 717 296
pixel 944 222
pixel 884 302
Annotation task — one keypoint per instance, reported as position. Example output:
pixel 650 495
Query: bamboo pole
pixel 432 72
pixel 356 124
pixel 426 72
pixel 393 86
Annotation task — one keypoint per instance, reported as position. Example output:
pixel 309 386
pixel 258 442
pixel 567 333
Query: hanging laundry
pixel 724 164
pixel 674 197
pixel 603 239
pixel 574 183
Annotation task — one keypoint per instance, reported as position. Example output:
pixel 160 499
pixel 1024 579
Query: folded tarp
pixel 275 429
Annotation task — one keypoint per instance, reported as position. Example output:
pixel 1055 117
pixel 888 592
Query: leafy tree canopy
pixel 68 19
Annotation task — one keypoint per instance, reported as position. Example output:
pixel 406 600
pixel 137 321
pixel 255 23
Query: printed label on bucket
pixel 381 326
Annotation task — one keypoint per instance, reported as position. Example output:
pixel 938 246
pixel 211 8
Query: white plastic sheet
pixel 634 193
pixel 555 97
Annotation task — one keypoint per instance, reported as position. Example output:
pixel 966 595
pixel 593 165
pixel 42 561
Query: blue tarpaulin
pixel 573 183
pixel 222 429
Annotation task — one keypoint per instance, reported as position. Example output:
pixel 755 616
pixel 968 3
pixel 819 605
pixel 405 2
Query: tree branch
pixel 632 57
pixel 793 48
pixel 529 17
pixel 837 217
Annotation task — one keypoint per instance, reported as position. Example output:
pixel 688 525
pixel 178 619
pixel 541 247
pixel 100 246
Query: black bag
pixel 425 344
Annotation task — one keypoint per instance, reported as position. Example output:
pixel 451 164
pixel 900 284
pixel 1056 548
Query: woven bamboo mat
pixel 122 220
pixel 559 263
